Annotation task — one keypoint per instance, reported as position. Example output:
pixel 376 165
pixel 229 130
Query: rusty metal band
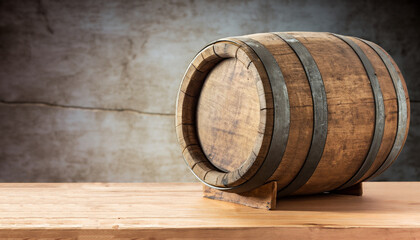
pixel 379 113
pixel 402 109
pixel 320 111
pixel 281 126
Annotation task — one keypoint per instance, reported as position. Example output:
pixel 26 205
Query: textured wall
pixel 88 88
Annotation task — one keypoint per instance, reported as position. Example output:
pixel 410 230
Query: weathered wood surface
pixel 197 106
pixel 388 210
pixel 225 139
pixel 229 95
pixel 263 197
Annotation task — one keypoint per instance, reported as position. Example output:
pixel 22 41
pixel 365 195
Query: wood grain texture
pixel 406 95
pixel 390 102
pixel 230 83
pixel 388 210
pixel 263 197
pixel 301 108
pixel 228 127
pixel 210 155
pixel 351 117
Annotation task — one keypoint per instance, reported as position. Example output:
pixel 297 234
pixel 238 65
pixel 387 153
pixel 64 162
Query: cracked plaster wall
pixel 88 88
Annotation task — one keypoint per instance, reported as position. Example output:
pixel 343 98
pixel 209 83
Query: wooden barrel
pixel 315 112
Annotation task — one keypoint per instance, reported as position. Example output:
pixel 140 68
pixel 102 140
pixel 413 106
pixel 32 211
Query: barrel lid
pixel 225 114
pixel 228 114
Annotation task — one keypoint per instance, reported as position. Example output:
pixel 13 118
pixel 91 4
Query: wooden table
pixel 177 210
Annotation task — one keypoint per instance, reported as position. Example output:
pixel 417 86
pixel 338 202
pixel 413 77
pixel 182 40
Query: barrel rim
pixel 189 93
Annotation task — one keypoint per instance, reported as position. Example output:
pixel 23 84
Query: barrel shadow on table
pixel 329 202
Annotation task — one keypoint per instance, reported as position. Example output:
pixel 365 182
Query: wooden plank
pixel 263 197
pixel 177 210
pixel 215 233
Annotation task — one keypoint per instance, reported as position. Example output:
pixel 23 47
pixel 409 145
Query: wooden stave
pixel 320 113
pixel 379 114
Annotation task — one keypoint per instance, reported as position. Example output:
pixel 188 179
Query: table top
pixel 171 210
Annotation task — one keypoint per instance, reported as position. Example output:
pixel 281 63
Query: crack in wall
pixel 46 104
pixel 42 11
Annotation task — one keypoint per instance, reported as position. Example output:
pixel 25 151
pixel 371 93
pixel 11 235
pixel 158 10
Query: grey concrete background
pixel 88 88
